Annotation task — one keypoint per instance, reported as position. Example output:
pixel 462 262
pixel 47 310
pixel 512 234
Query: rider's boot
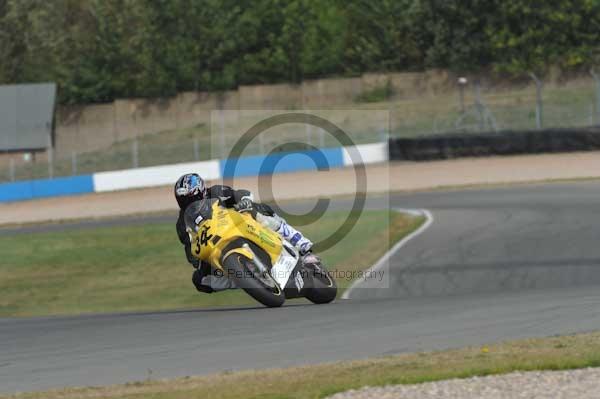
pixel 287 232
pixel 311 260
pixel 302 244
pixel 207 279
pixel 294 237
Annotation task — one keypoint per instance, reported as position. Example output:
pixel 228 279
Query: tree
pixel 531 36
pixel 456 33
pixel 384 35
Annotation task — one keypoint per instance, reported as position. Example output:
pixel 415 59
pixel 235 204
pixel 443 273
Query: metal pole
pixel 261 142
pixel 134 147
pixel 32 165
pixel 597 80
pixel 462 83
pixel 114 122
pixel 308 133
pixel 391 120
pixel 479 105
pixel 134 153
pixel 50 162
pixel 177 122
pixel 12 169
pixel 73 163
pixel 321 139
pixel 539 105
pixel 222 132
pixel 196 149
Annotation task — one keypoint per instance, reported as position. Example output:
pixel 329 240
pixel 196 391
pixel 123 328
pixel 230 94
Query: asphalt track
pixel 495 264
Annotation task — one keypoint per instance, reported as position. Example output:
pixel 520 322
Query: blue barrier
pixel 18 191
pixel 60 186
pixel 283 162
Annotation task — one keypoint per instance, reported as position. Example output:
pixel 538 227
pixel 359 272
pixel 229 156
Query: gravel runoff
pixel 572 384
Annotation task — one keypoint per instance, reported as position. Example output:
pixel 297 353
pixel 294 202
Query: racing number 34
pixel 203 238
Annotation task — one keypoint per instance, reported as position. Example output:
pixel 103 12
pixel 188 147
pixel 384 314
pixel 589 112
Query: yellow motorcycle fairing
pixel 212 235
pixel 242 251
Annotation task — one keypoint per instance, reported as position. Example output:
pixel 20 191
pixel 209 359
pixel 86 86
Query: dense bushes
pixel 101 49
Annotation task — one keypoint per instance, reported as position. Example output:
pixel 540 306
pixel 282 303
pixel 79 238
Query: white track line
pixel 384 259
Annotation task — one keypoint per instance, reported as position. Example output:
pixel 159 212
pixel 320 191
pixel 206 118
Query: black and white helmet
pixel 189 188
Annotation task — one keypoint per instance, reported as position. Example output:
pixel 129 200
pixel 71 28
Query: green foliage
pixel 99 50
pixel 376 94
pixel 531 36
pixel 455 33
pixel 384 35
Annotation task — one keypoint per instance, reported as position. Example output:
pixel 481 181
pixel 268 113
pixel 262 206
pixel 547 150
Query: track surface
pixel 495 264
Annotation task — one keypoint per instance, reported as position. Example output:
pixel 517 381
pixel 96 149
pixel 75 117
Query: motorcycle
pixel 257 259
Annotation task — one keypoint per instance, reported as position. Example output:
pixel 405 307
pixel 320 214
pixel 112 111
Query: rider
pixel 191 187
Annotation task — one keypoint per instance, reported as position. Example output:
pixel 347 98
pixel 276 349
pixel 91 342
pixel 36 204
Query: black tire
pixel 322 287
pixel 238 267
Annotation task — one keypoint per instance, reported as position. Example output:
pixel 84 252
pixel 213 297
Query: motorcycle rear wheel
pixel 246 276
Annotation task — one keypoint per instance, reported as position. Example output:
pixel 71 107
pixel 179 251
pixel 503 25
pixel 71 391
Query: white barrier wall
pixel 210 170
pixel 369 153
pixel 166 175
pixel 153 176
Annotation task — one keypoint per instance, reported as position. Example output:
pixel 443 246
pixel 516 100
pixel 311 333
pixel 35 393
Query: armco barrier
pixel 506 143
pixel 32 189
pixel 327 158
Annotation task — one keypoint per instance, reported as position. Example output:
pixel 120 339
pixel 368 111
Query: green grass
pixel 319 381
pixel 134 268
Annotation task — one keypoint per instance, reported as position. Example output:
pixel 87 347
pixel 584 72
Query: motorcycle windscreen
pixel 198 211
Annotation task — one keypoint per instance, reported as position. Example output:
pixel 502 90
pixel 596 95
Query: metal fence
pixel 471 107
pixel 494 109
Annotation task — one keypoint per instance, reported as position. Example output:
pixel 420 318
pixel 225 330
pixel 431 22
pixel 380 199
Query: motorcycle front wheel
pixel 322 287
pixel 248 277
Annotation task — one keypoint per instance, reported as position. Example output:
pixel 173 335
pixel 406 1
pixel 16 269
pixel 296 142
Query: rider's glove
pixel 244 205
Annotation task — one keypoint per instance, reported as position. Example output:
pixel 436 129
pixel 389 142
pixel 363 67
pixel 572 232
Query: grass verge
pixel 142 267
pixel 318 381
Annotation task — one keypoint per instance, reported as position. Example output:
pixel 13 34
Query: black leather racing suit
pixel 228 198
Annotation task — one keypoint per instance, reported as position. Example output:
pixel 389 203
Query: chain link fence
pixel 479 108
pixel 472 107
